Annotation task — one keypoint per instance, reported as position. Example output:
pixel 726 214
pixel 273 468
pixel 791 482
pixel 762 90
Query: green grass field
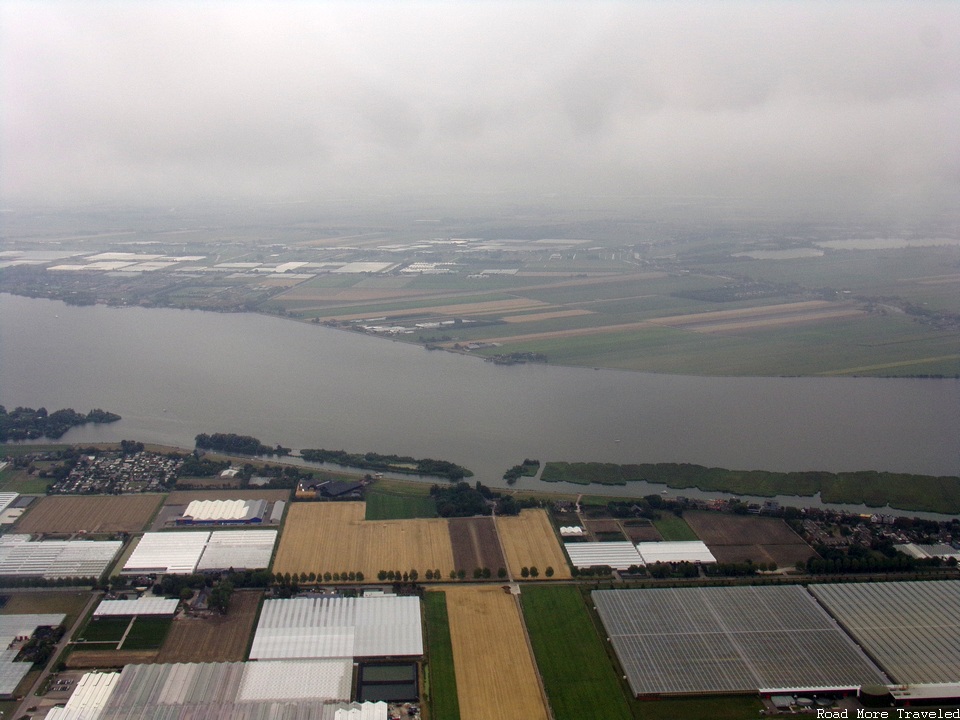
pixel 441 685
pixel 388 505
pixel 673 528
pixel 109 629
pixel 577 674
pixel 147 633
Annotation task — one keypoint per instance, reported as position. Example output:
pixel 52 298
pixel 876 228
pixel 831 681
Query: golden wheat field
pixel 529 541
pixel 334 537
pixel 496 675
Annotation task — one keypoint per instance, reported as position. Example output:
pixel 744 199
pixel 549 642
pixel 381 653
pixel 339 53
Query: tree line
pixel 23 423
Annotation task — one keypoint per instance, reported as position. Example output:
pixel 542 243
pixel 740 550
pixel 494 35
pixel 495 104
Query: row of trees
pixel 242 444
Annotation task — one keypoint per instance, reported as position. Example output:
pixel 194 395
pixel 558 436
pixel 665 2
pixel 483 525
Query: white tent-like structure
pixel 692 551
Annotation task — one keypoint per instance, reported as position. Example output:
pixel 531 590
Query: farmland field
pixel 386 505
pixel 70 603
pixel 147 633
pixel 100 514
pixel 442 678
pixel 334 537
pixel 496 676
pixel 578 676
pixel 475 544
pixel 529 541
pixel 93 659
pixel 738 538
pixel 220 638
pixel 671 527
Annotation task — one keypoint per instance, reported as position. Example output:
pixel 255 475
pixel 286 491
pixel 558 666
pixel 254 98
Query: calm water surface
pixel 172 374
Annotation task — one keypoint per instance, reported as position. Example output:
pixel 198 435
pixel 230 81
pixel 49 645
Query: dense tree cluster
pixel 28 424
pixel 388 463
pixel 528 468
pixel 237 444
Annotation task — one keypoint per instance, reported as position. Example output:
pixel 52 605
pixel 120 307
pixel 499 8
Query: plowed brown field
pixel 496 675
pixel 221 638
pixel 99 514
pixel 475 544
pixel 334 537
pixel 529 541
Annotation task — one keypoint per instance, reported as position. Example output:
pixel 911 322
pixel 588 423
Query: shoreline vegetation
pixel 903 491
pixel 23 423
pixel 388 463
pixel 248 445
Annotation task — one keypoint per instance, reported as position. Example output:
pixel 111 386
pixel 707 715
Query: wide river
pixel 172 374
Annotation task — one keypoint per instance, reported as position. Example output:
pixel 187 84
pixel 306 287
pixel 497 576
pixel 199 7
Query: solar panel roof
pixel 729 639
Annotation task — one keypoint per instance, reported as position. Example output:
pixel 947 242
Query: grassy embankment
pixel 441 680
pixel 903 491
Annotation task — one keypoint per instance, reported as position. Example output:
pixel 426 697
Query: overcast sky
pixel 161 101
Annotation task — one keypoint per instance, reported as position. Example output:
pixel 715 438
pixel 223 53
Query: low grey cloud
pixel 817 102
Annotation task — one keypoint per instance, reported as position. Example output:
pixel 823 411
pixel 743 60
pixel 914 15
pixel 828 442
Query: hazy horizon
pixel 805 109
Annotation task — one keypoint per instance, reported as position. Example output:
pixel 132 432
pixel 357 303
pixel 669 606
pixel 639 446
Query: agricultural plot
pixel 90 514
pixel 529 541
pixel 475 544
pixel 219 638
pixel 384 505
pixel 441 679
pixel 738 538
pixel 100 659
pixel 580 683
pixel 496 676
pixel 334 537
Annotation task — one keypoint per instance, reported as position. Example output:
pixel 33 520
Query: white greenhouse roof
pixel 619 555
pixel 297 680
pixel 678 551
pixel 88 699
pixel 911 629
pixel 56 558
pixel 224 510
pixel 6 499
pixel 238 549
pixel 363 711
pixel 145 605
pixel 167 552
pixel 338 627
pixel 279 690
pixel 12 627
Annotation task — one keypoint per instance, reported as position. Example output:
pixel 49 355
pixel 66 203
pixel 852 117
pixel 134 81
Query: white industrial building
pixel 280 690
pixel 19 555
pixel 223 512
pixel 188 551
pixel 143 606
pixel 88 699
pixel 692 551
pixel 170 553
pixel 338 628
pixel 619 555
pixel 238 549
